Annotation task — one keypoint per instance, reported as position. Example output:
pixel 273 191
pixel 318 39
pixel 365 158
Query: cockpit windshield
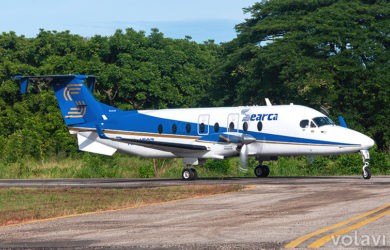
pixel 322 121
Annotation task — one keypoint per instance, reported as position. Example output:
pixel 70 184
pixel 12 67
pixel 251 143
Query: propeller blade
pixel 244 158
pixel 245 140
pixel 310 159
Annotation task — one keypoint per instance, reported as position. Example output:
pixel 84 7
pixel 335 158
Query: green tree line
pixel 327 54
pixel 135 71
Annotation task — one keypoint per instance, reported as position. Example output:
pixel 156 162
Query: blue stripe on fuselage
pixel 290 139
pixel 134 121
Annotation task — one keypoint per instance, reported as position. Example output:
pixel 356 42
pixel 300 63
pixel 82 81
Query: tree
pixel 333 53
pixel 134 71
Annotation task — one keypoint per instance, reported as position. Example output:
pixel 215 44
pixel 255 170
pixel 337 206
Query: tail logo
pixel 79 112
pixel 71 89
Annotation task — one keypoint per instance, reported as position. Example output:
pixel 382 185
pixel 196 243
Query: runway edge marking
pixel 301 239
pixel 122 209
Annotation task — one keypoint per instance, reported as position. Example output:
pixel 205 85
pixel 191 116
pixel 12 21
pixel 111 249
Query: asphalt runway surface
pixel 273 213
pixel 162 182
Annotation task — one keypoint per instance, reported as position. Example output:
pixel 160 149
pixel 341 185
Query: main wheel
pixel 258 171
pixel 265 171
pixel 262 171
pixel 187 174
pixel 366 174
pixel 195 173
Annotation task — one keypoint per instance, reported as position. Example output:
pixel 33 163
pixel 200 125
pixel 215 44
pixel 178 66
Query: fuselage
pixel 196 134
pixel 279 130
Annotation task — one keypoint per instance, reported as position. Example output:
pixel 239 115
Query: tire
pixel 367 174
pixel 262 171
pixel 195 173
pixel 259 171
pixel 265 171
pixel 187 174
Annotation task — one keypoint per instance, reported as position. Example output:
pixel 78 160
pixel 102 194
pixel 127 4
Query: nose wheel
pixel 366 157
pixel 366 171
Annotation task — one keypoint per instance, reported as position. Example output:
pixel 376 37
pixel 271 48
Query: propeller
pixel 244 158
pixel 242 141
pixel 245 140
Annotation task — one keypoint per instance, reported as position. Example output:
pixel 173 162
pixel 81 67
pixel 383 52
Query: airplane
pixel 197 134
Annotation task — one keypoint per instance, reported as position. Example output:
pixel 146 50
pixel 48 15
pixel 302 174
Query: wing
pixel 159 145
pixel 164 146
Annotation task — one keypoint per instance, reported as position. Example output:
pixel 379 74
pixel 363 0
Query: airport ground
pixel 272 213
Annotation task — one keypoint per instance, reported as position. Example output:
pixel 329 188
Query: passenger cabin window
pixel 245 126
pixel 174 128
pixel 160 129
pixel 216 127
pixel 304 123
pixel 188 128
pixel 259 126
pixel 231 127
pixel 201 127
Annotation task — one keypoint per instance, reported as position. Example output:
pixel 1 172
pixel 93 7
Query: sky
pixel 200 19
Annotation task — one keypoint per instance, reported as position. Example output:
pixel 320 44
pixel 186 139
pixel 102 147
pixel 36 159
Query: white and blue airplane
pixel 197 134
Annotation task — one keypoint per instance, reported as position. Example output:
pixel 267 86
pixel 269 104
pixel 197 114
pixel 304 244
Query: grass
pixel 87 165
pixel 26 204
pixel 118 166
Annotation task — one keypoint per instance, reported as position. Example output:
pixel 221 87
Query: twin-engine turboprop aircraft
pixel 196 134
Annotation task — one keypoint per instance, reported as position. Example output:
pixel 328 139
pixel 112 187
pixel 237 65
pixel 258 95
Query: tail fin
pixel 75 99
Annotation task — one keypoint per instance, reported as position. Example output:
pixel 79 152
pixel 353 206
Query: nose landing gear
pixel 366 157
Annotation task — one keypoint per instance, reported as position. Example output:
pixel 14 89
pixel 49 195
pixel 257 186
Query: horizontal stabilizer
pixel 89 144
pixel 24 80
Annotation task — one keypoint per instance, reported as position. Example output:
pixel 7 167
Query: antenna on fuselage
pixel 268 102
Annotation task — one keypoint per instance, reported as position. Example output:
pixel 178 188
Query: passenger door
pixel 232 122
pixel 203 124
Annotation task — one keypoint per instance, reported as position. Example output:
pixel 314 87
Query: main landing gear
pixel 366 158
pixel 262 171
pixel 189 173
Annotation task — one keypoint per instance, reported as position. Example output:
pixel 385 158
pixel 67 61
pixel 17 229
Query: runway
pixel 276 212
pixel 162 182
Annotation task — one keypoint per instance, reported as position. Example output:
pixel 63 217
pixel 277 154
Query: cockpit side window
pixel 304 123
pixel 322 121
pixel 312 124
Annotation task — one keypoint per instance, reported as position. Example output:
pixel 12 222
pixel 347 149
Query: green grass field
pixel 86 165
pixel 26 204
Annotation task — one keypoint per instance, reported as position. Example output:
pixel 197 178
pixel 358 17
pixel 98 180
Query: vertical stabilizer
pixel 75 99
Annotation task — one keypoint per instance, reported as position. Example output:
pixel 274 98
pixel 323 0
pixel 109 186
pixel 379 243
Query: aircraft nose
pixel 367 142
